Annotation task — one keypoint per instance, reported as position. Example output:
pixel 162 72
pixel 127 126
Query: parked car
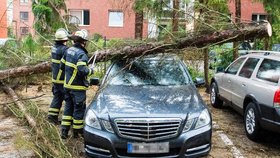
pixel 276 47
pixel 251 86
pixel 147 107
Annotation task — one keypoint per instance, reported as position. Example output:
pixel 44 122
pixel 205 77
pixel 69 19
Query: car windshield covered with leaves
pixel 148 72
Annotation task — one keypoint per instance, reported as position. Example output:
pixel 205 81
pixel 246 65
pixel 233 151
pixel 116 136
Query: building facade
pixel 250 10
pixel 23 18
pixel 114 19
pixel 3 20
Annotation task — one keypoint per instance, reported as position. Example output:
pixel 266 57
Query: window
pixel 24 30
pixel 115 18
pixel 233 68
pixel 258 17
pixel 269 70
pixel 23 1
pixel 24 16
pixel 248 67
pixel 80 17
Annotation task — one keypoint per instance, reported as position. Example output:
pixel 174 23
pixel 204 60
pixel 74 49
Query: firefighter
pixel 75 63
pixel 58 50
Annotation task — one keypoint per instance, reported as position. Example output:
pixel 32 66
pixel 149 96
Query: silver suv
pixel 251 86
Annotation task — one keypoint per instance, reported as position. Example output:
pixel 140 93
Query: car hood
pixel 147 101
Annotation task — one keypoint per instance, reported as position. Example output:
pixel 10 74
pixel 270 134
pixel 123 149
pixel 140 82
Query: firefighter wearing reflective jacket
pixel 76 72
pixel 58 50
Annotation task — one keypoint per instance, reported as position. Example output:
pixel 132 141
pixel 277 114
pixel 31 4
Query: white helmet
pixel 80 35
pixel 61 35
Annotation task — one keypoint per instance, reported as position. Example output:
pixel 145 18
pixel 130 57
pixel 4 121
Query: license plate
pixel 143 148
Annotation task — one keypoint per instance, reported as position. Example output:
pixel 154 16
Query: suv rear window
pixel 269 70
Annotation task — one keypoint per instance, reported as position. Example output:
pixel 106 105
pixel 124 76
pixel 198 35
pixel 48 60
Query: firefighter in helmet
pixel 75 63
pixel 58 50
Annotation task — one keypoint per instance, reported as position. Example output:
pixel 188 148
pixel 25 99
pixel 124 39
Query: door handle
pixel 228 81
pixel 243 85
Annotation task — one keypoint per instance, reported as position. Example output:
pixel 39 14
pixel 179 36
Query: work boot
pixel 64 134
pixel 77 133
pixel 53 119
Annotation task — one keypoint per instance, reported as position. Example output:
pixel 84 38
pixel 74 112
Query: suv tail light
pixel 276 99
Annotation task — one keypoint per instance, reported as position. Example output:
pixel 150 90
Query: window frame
pixel 243 67
pixel 264 79
pixel 22 13
pixel 258 16
pixel 21 30
pixel 24 2
pixel 82 23
pixel 243 59
pixel 115 11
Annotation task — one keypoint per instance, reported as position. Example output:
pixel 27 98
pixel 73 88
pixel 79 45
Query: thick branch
pixel 240 33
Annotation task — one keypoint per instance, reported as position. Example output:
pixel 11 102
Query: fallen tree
pixel 237 33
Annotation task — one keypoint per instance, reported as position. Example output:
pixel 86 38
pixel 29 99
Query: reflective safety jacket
pixel 58 50
pixel 75 63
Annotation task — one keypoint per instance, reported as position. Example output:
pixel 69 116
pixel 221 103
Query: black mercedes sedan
pixel 147 107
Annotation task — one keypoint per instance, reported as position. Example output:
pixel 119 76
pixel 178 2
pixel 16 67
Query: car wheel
pixel 214 99
pixel 251 122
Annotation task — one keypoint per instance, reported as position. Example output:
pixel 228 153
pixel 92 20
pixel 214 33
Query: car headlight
pixel 203 119
pixel 107 126
pixel 188 125
pixel 91 120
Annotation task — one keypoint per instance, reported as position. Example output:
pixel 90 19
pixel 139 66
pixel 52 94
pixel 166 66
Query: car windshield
pixel 148 72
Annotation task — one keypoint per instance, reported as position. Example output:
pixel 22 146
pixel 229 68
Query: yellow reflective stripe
pixel 75 87
pixel 73 76
pixel 66 123
pixel 67 117
pixel 56 61
pixel 54 110
pixel 90 72
pixel 78 121
pixel 71 65
pixel 80 63
pixel 78 126
pixel 54 114
pixel 63 61
pixel 59 74
pixel 58 81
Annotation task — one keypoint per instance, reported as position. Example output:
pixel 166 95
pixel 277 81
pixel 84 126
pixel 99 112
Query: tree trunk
pixel 25 70
pixel 246 31
pixel 206 69
pixel 175 16
pixel 237 21
pixel 139 25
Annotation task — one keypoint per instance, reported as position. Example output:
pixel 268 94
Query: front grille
pixel 148 129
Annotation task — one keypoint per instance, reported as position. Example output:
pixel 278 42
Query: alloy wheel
pixel 250 121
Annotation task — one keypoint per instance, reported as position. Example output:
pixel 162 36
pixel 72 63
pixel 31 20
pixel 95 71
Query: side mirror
pixel 199 81
pixel 94 81
pixel 220 69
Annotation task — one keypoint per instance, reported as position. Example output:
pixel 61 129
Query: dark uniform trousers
pixel 58 97
pixel 75 107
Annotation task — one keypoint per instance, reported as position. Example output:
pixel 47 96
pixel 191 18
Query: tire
pixel 251 122
pixel 214 98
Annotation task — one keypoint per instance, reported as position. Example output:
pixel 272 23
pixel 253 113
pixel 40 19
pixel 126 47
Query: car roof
pixel 263 54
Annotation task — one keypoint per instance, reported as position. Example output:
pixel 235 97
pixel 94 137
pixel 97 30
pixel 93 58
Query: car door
pixel 242 81
pixel 226 85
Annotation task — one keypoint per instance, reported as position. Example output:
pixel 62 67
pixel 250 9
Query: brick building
pixel 3 20
pixel 111 18
pixel 250 10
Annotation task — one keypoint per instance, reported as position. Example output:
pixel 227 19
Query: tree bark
pixel 245 31
pixel 139 25
pixel 206 69
pixel 237 21
pixel 25 70
pixel 175 16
